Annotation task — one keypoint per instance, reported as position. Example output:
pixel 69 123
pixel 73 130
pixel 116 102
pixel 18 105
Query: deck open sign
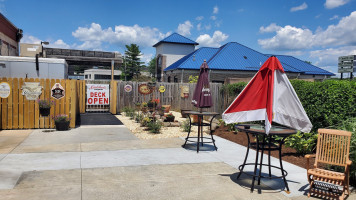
pixel 98 94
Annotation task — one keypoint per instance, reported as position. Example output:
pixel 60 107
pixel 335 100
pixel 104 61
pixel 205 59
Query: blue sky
pixel 314 30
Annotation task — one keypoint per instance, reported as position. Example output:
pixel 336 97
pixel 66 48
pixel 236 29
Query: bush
pixel 185 125
pixel 303 143
pixel 154 126
pixel 350 125
pixel 129 112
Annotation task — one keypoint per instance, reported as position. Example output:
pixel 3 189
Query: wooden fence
pixel 171 96
pixel 19 113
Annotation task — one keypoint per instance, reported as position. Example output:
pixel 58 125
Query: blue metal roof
pixel 194 59
pixel 176 38
pixel 234 56
pixel 305 67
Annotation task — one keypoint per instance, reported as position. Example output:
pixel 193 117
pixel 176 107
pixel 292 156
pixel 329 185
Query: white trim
pixel 245 116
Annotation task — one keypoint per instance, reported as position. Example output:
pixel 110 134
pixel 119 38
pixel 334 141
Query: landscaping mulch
pixel 288 154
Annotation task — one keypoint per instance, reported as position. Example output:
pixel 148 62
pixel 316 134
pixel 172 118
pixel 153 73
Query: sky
pixel 318 31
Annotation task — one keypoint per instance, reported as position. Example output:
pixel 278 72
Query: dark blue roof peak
pixel 177 39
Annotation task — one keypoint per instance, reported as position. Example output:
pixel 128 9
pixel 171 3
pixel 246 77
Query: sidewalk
pixel 108 162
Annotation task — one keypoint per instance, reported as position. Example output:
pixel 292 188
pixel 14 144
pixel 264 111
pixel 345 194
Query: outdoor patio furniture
pixel 332 149
pixel 267 144
pixel 200 125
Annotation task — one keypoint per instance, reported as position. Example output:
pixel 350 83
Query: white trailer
pixel 26 67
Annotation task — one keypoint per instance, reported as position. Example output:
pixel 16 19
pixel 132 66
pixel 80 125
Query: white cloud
pixel 199 18
pixel 293 38
pixel 334 17
pixel 146 58
pixel 208 27
pixel 199 27
pixel 215 10
pixel 213 17
pixel 214 41
pixel 330 4
pixel 329 56
pixel 271 28
pixel 59 44
pixel 30 39
pixel 184 29
pixel 93 36
pixel 298 8
pixel 288 38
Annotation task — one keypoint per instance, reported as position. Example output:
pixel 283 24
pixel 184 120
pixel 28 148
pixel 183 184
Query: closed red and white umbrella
pixel 269 96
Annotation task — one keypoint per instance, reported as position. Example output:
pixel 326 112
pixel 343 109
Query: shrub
pixel 185 125
pixel 154 126
pixel 303 143
pixel 350 125
pixel 129 112
pixel 45 103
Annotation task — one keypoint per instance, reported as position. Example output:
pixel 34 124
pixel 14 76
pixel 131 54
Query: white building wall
pixel 174 52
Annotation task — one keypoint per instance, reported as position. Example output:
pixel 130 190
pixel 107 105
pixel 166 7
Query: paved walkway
pixel 108 162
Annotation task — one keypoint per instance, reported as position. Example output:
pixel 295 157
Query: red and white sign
pixel 98 94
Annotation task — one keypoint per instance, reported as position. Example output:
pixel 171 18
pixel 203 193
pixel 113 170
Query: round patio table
pixel 200 125
pixel 263 143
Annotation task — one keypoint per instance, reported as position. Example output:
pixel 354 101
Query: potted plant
pixel 153 103
pixel 45 106
pixel 62 122
pixel 144 107
pixel 160 110
pixel 170 117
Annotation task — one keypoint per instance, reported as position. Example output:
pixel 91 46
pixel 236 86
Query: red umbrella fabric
pixel 269 96
pixel 202 96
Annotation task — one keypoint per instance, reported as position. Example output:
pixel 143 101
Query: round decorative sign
pixel 5 90
pixel 128 88
pixel 144 89
pixel 162 89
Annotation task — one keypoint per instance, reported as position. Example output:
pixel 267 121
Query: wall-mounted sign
pixel 347 64
pixel 144 89
pixel 98 94
pixel 128 88
pixel 57 91
pixel 5 90
pixel 31 90
pixel 161 89
pixel 184 91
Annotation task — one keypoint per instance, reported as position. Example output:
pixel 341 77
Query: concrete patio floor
pixel 108 162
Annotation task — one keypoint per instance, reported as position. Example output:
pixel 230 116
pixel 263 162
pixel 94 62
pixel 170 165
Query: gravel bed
pixel 166 132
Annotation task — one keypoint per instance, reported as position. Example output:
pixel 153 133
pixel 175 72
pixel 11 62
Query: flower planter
pixel 194 118
pixel 166 108
pixel 144 109
pixel 62 125
pixel 170 118
pixel 45 111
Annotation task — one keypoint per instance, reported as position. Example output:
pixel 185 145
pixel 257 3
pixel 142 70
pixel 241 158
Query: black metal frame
pixel 262 147
pixel 200 132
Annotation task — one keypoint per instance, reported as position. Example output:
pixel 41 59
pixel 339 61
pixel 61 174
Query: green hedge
pixel 326 103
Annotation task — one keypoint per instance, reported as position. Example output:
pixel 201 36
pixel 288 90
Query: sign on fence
pixel 98 94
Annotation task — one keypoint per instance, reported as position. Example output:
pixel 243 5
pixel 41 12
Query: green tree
pixel 152 66
pixel 132 61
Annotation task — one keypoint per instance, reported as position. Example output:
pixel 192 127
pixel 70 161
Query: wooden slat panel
pixel 47 96
pixel 58 101
pixel 21 105
pixel 73 104
pixel 83 96
pixel 4 109
pixel 42 97
pixel 15 100
pixel 62 100
pixel 31 110
pixel 53 110
pixel 67 97
pixel 37 111
pixel 26 112
pixel 9 105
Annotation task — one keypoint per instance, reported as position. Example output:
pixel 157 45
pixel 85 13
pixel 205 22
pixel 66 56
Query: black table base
pixel 200 139
pixel 264 146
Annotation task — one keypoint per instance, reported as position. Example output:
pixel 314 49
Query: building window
pixel 175 79
pixel 89 76
pixel 169 79
pixel 86 76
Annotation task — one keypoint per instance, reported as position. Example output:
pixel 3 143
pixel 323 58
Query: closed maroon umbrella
pixel 202 95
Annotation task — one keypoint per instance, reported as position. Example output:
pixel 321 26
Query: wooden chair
pixel 333 148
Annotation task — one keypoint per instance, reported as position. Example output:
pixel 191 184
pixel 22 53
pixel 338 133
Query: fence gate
pixel 100 96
